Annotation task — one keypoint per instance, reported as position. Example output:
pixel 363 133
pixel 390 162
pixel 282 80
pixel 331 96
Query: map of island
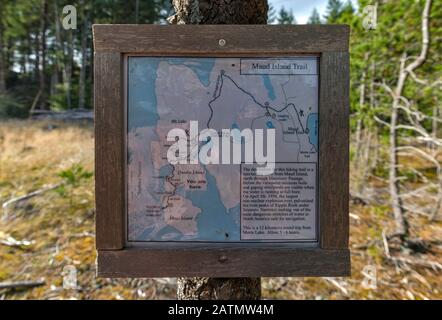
pixel 222 202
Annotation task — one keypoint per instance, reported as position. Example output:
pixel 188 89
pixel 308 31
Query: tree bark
pixel 2 65
pixel 137 10
pixel 435 123
pixel 58 63
pixel 219 288
pixel 401 223
pixel 82 80
pixel 359 121
pixel 42 74
pixel 219 12
pixel 2 61
pixel 68 68
pixel 36 45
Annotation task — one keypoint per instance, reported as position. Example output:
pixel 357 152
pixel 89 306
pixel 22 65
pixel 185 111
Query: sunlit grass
pixel 60 227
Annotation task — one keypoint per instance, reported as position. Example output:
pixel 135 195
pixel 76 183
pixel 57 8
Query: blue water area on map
pixel 142 76
pixel 235 213
pixel 168 233
pixel 269 86
pixel 214 222
pixel 312 125
pixel 201 66
pixel 165 170
pixel 146 233
pixel 142 99
pixel 208 145
pixel 236 134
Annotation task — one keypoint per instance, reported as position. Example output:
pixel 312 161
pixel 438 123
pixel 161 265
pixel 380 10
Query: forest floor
pixel 42 237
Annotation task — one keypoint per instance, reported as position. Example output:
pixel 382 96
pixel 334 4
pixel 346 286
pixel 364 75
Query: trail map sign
pixel 221 150
pixel 223 199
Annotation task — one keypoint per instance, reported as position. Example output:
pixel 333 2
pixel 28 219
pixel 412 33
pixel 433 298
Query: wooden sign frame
pixel 331 257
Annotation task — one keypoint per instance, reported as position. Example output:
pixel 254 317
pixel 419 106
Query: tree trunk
pixel 435 122
pixel 42 74
pixel 219 12
pixel 2 57
pixel 28 52
pixel 401 224
pixel 59 47
pixel 373 104
pixel 82 80
pixel 359 121
pixel 219 288
pixel 137 10
pixel 2 64
pixel 37 55
pixel 68 69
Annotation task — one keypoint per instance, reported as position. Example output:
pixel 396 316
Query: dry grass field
pixel 42 235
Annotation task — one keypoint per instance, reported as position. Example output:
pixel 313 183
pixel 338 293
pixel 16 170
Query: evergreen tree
pixel 333 11
pixel 286 17
pixel 314 18
pixel 348 8
pixel 271 15
pixel 42 65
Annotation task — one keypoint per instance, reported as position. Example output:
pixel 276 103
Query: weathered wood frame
pixel 115 257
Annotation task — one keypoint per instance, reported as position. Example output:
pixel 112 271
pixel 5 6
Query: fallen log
pixel 12 242
pixel 21 284
pixel 69 115
pixel 6 204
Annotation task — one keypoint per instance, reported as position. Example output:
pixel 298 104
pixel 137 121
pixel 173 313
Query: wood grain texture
pixel 222 262
pixel 203 39
pixel 109 151
pixel 334 150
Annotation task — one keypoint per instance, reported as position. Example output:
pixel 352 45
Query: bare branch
pixel 25 197
pixel 381 121
pixel 425 39
pixel 421 153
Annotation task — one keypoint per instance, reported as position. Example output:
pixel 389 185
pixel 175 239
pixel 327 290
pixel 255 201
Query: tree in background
pixel 282 17
pixel 44 66
pixel 286 17
pixel 2 63
pixel 396 79
pixel 271 15
pixel 336 9
pixel 333 11
pixel 314 18
pixel 348 9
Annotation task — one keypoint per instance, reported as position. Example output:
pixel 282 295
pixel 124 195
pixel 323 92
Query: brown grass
pixel 61 229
